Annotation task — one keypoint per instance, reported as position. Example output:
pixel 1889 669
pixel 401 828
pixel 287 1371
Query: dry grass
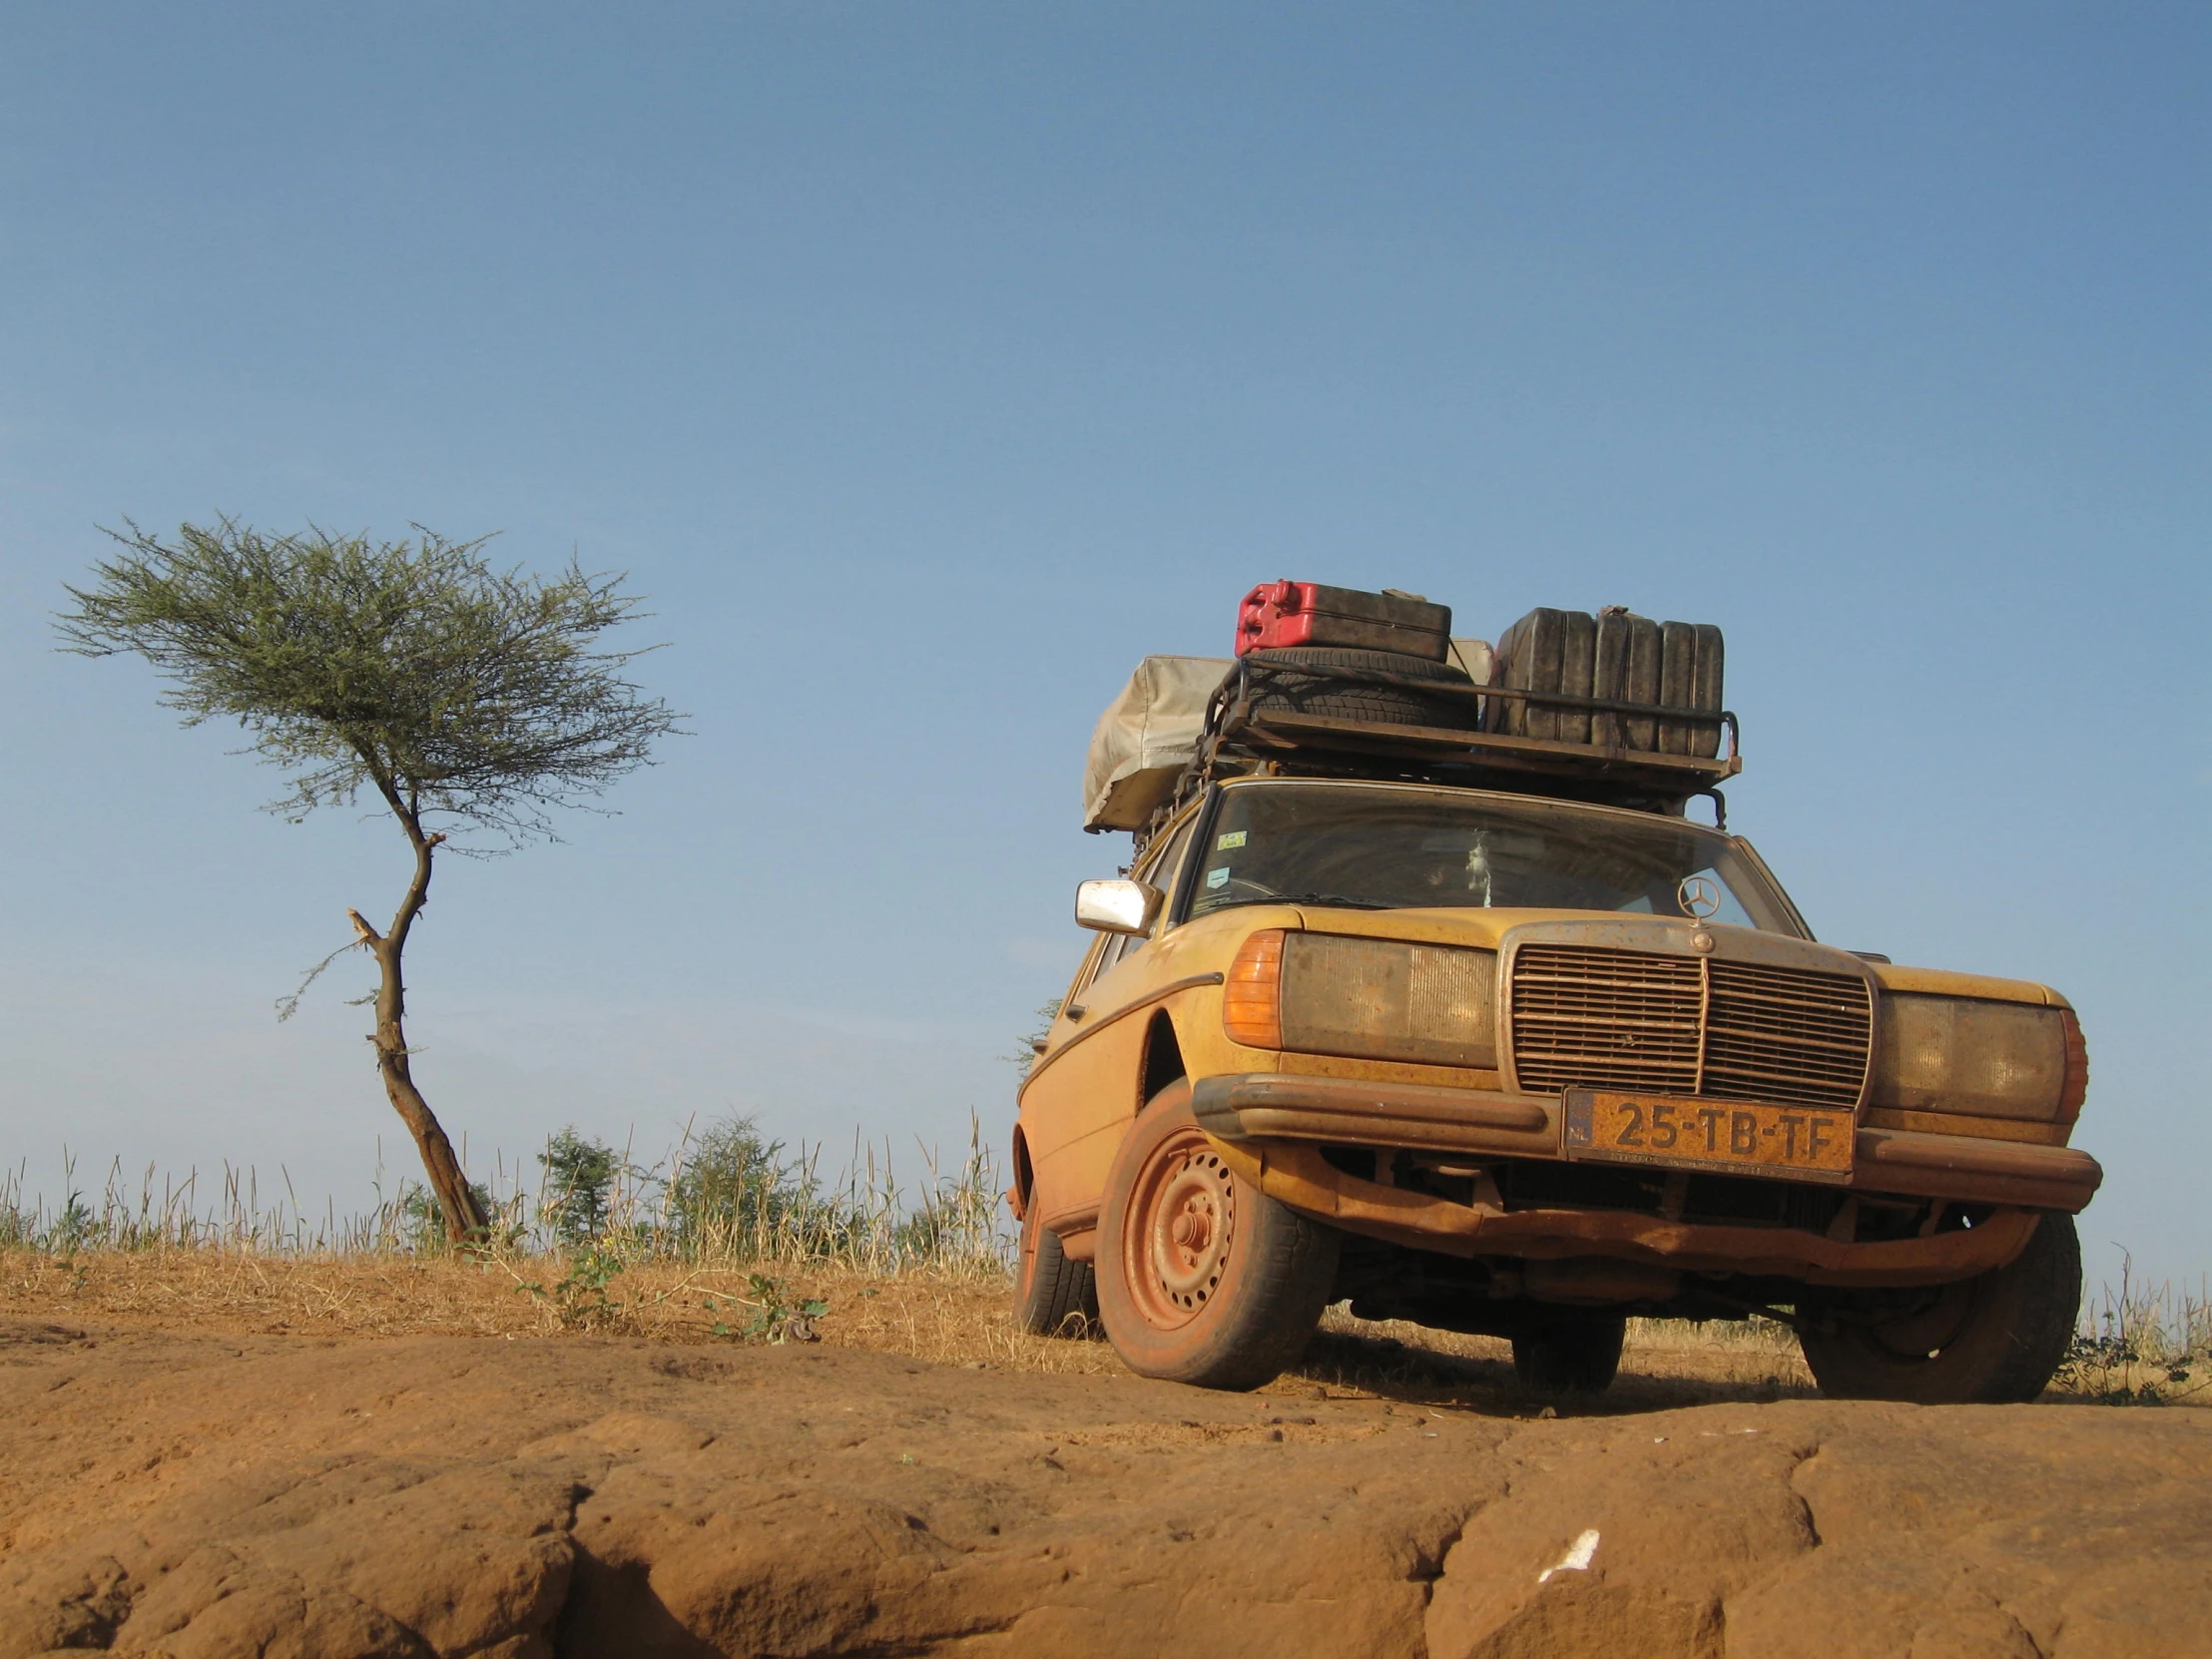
pixel 724 1192
pixel 725 1240
pixel 2141 1347
pixel 946 1318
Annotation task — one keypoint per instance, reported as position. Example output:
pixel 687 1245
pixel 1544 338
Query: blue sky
pixel 927 365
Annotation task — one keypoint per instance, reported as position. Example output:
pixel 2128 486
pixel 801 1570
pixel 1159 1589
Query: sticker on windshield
pixel 1235 837
pixel 1217 877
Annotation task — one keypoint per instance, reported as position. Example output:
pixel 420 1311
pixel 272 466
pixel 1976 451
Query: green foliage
pixel 737 1195
pixel 74 1228
pixel 582 1295
pixel 775 1319
pixel 2140 1350
pixel 580 1299
pixel 734 1189
pixel 728 1198
pixel 447 687
pixel 418 1221
pixel 1028 1047
pixel 414 667
pixel 579 1187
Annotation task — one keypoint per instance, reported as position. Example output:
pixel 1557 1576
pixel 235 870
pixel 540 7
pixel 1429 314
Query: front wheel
pixel 1991 1341
pixel 1203 1277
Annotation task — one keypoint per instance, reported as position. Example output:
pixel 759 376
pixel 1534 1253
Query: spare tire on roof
pixel 1297 679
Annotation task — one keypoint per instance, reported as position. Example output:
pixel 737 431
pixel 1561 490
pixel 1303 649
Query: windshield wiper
pixel 1337 901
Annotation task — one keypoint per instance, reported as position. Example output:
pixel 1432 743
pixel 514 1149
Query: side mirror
pixel 1118 906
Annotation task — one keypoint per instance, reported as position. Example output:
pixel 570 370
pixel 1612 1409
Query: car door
pixel 1083 1091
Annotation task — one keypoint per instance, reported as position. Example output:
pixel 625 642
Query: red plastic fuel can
pixel 1275 615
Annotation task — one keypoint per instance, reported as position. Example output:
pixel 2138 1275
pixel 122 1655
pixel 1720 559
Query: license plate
pixel 1804 1142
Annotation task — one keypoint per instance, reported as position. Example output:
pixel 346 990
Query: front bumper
pixel 1271 1127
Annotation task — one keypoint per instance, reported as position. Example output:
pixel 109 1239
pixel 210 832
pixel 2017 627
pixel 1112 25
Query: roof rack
pixel 1239 740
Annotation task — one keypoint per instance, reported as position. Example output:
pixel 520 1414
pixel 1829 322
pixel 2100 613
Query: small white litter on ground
pixel 1576 1559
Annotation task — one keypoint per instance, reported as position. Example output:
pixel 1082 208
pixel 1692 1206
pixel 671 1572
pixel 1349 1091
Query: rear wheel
pixel 1990 1341
pixel 1054 1296
pixel 1203 1277
pixel 1571 1355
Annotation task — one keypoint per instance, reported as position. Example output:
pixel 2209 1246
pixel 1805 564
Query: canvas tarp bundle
pixel 1145 739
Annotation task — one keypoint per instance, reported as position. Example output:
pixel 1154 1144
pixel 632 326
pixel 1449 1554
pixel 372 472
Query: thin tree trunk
pixel 465 1218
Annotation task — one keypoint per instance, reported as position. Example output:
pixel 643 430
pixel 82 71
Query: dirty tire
pixel 1054 1296
pixel 1991 1341
pixel 1570 1355
pixel 1203 1277
pixel 1317 694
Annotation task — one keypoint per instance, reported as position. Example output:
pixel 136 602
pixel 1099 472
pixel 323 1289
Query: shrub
pixel 735 1193
pixel 579 1187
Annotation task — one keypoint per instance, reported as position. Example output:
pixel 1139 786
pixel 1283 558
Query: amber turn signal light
pixel 1252 997
pixel 2075 1089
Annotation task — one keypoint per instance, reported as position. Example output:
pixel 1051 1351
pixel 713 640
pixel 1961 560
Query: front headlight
pixel 1383 999
pixel 1979 1059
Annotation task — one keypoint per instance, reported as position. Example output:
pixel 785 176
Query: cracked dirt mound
pixel 295 1498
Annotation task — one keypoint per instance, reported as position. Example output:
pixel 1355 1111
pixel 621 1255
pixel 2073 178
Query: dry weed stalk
pixel 2141 1347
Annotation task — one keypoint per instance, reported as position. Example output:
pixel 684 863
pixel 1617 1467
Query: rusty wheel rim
pixel 1181 1231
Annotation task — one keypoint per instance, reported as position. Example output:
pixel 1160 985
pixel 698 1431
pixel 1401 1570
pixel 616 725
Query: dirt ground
pixel 948 1320
pixel 304 1462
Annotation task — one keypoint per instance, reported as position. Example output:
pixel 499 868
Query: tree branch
pixel 287 1006
pixel 418 889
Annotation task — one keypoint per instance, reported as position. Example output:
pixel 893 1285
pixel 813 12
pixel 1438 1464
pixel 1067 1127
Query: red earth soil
pixel 292 1498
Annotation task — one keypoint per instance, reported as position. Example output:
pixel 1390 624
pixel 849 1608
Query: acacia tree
pixel 470 701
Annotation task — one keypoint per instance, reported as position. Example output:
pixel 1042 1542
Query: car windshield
pixel 1385 848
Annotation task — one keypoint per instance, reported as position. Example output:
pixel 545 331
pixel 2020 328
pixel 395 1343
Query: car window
pixel 1117 948
pixel 1158 867
pixel 1387 848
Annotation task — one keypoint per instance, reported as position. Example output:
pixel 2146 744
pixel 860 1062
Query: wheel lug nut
pixel 1190 1230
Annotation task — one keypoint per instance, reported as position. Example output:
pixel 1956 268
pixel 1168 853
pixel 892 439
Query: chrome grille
pixel 1787 1036
pixel 1612 1018
pixel 1626 1019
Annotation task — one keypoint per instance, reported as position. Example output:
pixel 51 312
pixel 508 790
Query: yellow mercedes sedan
pixel 1525 1066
